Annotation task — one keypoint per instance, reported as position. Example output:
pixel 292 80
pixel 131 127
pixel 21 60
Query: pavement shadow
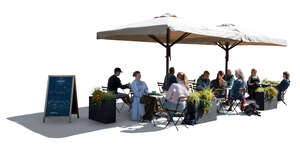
pixel 59 127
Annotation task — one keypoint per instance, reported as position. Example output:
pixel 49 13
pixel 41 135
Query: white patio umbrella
pixel 168 30
pixel 245 38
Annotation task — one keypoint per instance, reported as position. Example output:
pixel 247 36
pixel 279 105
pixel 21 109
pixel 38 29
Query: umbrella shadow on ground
pixel 60 127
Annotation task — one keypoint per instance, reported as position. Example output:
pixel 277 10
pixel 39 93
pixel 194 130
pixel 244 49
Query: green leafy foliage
pixel 271 92
pixel 99 96
pixel 203 97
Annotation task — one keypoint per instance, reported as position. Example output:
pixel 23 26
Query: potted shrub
pixel 102 106
pixel 203 106
pixel 266 98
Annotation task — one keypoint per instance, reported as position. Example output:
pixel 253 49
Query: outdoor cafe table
pixel 158 97
pixel 267 85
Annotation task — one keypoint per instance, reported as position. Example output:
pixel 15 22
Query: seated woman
pixel 238 89
pixel 284 84
pixel 228 77
pixel 253 83
pixel 177 90
pixel 218 85
pixel 203 81
pixel 139 88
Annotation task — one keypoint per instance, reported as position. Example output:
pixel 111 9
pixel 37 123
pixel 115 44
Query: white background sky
pixel 39 37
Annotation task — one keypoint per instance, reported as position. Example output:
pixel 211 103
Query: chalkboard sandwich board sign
pixel 61 97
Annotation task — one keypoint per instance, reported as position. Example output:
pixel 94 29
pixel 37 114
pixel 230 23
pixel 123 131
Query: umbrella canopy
pixel 159 27
pixel 245 38
pixel 250 38
pixel 168 30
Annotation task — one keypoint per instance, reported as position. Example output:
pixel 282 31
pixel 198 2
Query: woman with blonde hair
pixel 177 90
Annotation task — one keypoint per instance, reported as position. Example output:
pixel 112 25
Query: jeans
pixel 172 106
pixel 121 95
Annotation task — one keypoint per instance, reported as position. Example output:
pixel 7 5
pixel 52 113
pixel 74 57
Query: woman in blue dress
pixel 139 88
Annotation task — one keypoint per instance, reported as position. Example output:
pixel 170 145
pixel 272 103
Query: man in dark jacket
pixel 114 83
pixel 203 81
pixel 171 79
pixel 284 84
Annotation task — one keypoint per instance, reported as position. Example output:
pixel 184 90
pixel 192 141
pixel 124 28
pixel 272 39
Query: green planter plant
pixel 202 106
pixel 102 106
pixel 266 98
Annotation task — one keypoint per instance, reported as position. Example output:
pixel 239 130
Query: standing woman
pixel 253 83
pixel 139 88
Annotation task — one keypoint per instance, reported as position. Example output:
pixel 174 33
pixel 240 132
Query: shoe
pixel 165 115
pixel 230 109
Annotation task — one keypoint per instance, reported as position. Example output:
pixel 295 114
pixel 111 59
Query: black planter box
pixel 199 116
pixel 263 103
pixel 105 113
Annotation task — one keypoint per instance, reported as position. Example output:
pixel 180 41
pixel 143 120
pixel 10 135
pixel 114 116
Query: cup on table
pixel 153 92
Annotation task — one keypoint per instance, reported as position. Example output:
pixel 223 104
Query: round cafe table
pixel 159 97
pixel 267 85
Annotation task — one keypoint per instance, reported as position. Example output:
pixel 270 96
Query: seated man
pixel 171 79
pixel 203 81
pixel 114 83
pixel 284 84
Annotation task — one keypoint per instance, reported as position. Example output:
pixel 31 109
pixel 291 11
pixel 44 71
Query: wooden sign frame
pixel 73 109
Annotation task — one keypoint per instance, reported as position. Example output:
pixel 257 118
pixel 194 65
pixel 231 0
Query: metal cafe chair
pixel 221 102
pixel 130 102
pixel 192 85
pixel 104 88
pixel 158 114
pixel 176 113
pixel 221 106
pixel 236 102
pixel 119 109
pixel 160 85
pixel 282 97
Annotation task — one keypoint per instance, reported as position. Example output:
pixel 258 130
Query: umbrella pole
pixel 168 55
pixel 226 47
pixel 168 46
pixel 226 56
